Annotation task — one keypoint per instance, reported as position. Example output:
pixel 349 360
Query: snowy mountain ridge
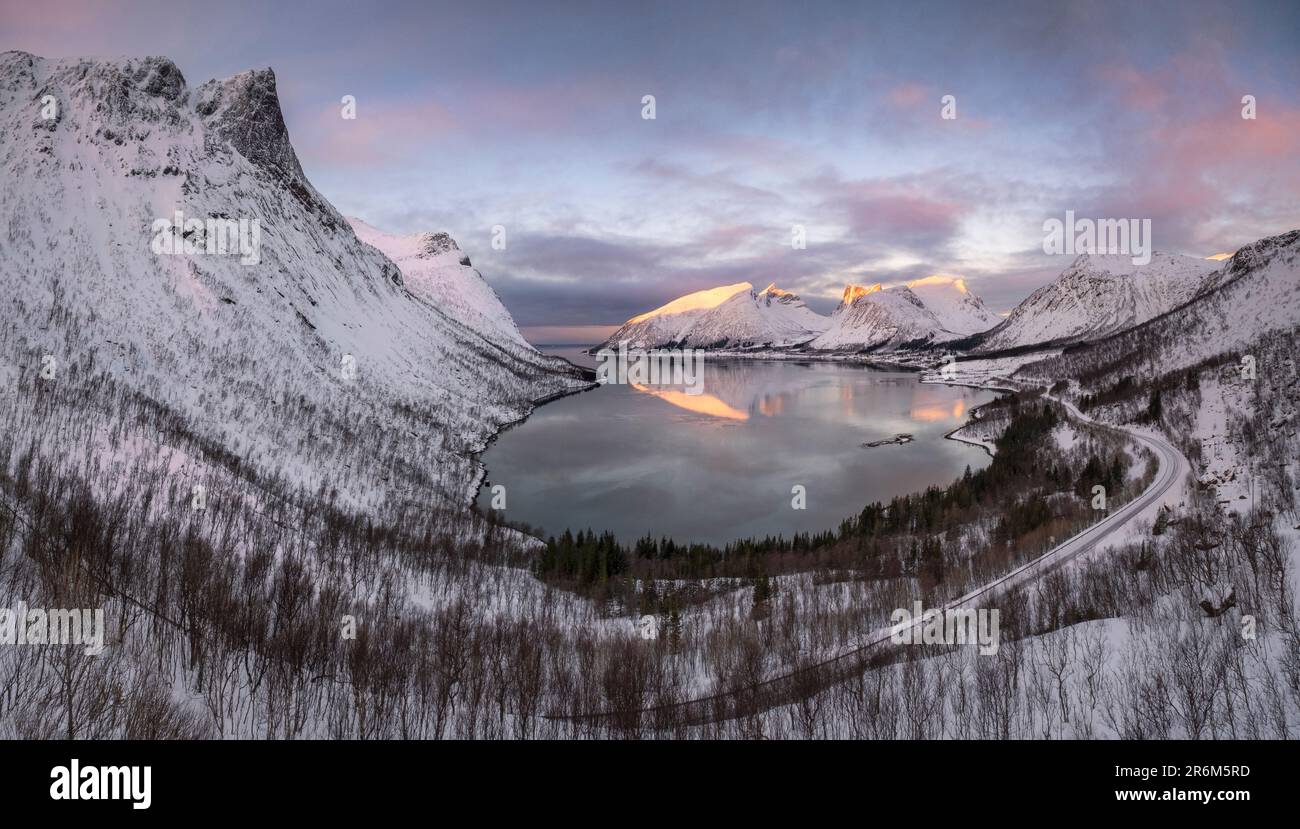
pixel 434 267
pixel 953 305
pixel 1255 293
pixel 936 308
pixel 669 323
pixel 1102 294
pixel 771 318
pixel 289 364
pixel 1097 295
pixel 729 316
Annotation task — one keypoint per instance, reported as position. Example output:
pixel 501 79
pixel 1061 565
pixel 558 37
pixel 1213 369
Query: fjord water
pixel 721 465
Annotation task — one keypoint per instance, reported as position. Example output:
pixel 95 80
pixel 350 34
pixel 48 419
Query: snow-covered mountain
pixel 434 267
pixel 767 318
pixel 731 316
pixel 873 316
pixel 934 309
pixel 1101 294
pixel 668 324
pixel 313 361
pixel 1256 292
pixel 957 309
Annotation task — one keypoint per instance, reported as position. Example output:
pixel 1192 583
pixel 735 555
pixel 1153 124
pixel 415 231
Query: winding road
pixel 875 649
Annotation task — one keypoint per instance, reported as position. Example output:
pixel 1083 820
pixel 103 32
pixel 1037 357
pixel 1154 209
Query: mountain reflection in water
pixel 720 465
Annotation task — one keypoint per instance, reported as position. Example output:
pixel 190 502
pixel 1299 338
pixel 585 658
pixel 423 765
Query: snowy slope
pixel 953 305
pixel 730 316
pixel 770 317
pixel 433 267
pixel 1257 291
pixel 874 317
pixel 937 308
pixel 252 355
pixel 668 324
pixel 1100 294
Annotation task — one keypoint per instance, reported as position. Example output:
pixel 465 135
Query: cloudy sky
pixel 528 115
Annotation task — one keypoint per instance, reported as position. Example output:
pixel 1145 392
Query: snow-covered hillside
pixel 290 362
pixel 953 305
pixel 935 309
pixel 1257 291
pixel 668 324
pixel 770 317
pixel 1100 294
pixel 731 316
pixel 434 268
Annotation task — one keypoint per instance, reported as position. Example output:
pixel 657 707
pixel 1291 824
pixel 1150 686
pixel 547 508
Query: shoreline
pixel 953 436
pixel 476 457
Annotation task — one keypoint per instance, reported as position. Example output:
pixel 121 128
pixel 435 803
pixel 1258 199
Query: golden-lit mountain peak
pixel 941 279
pixel 852 292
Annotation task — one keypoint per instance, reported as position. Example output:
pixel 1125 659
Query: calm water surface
pixel 720 465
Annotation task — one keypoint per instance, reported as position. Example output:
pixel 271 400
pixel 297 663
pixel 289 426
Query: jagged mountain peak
pixel 774 294
pixel 953 304
pixel 936 308
pixel 1257 291
pixel 1260 253
pixel 433 244
pixel 939 279
pixel 748 319
pixel 108 93
pixel 852 292
pixel 877 317
pixel 118 100
pixel 245 110
pixel 427 244
pixel 424 244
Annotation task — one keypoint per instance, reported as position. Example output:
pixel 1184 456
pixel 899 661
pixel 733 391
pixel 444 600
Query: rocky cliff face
pixel 244 111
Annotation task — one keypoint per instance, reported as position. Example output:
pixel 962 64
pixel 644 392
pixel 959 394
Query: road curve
pixel 1172 470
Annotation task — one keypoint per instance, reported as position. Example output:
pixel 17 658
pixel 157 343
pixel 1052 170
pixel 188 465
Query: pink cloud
pixel 1188 156
pixel 381 132
pixel 902 211
pixel 908 95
